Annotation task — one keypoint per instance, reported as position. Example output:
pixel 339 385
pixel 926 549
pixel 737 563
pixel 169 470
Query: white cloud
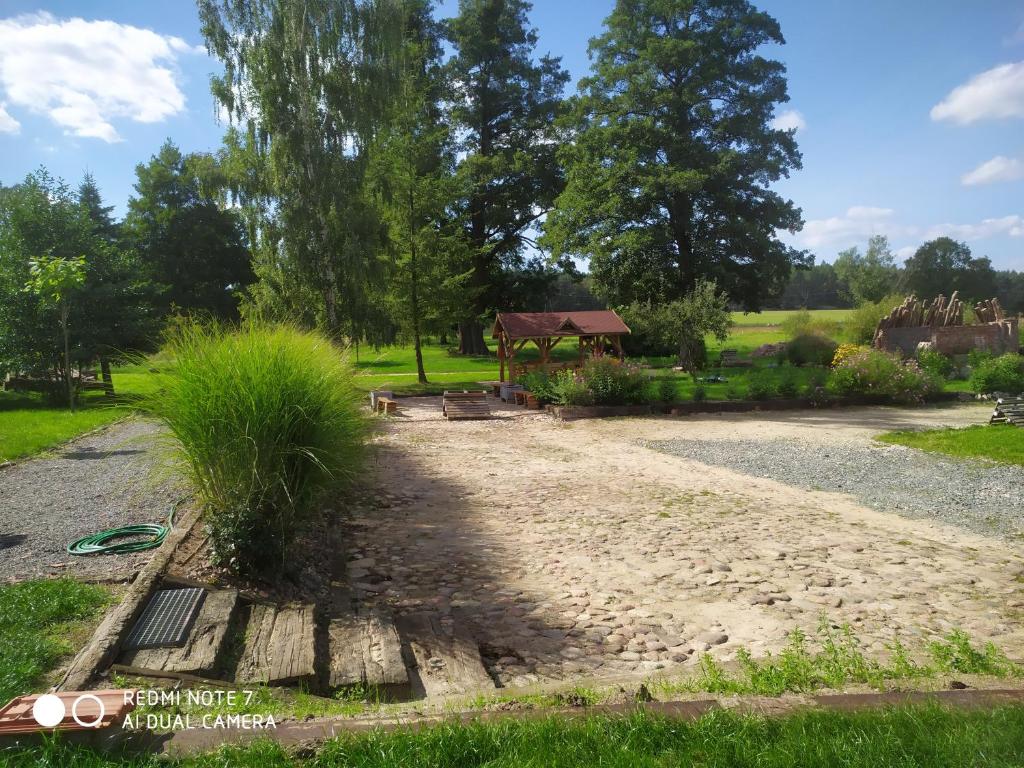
pixel 791 119
pixel 1008 226
pixel 855 226
pixel 999 168
pixel 84 75
pixel 861 222
pixel 7 123
pixel 995 93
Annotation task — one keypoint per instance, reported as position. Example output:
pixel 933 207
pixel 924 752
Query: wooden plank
pixel 280 646
pixel 366 650
pixel 102 649
pixel 200 653
pixel 448 663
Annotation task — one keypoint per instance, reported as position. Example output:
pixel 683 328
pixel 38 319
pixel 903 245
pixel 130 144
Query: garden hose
pixel 99 543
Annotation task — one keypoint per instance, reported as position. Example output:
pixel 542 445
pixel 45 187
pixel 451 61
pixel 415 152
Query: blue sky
pixel 910 114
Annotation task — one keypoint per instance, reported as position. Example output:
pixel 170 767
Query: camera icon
pixel 50 710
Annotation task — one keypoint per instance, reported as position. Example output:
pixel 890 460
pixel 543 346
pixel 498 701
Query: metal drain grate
pixel 166 620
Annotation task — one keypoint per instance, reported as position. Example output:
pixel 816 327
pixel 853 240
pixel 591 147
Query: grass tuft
pixel 266 420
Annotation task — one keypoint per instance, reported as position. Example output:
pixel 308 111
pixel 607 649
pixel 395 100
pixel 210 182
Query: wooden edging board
pixel 101 650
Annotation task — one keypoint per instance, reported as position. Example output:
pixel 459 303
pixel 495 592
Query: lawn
pixel 29 423
pixel 777 316
pixel 998 442
pixel 40 623
pixel 900 736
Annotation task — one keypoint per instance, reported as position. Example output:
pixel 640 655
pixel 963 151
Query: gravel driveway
pixel 104 480
pixel 982 496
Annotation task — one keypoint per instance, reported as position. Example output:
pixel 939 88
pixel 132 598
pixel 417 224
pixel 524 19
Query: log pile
pixel 989 311
pixel 913 313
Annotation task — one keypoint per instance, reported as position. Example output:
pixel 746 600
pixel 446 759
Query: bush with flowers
pixel 844 351
pixel 874 372
pixel 602 381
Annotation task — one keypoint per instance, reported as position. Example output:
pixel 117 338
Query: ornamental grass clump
pixel 266 421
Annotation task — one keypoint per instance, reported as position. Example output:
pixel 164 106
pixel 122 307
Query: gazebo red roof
pixel 533 325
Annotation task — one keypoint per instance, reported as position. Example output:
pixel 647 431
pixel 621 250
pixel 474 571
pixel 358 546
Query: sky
pixel 909 114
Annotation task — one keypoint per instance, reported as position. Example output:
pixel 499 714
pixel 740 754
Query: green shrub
pixel 266 419
pixel 935 363
pixel 788 385
pixel 760 386
pixel 602 381
pixel 541 385
pixel 998 374
pixel 666 389
pixel 802 322
pixel 811 349
pixel 700 394
pixel 859 326
pixel 874 372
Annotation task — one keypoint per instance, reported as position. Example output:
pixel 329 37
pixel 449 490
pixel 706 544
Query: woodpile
pixel 913 313
pixel 989 311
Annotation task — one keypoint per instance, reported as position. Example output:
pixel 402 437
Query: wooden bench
pixel 465 405
pixel 386 405
pixel 1008 410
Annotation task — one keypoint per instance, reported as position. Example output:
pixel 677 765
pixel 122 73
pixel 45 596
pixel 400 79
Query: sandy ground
pixel 571 550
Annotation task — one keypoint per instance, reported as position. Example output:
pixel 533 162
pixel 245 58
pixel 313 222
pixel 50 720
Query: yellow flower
pixel 845 351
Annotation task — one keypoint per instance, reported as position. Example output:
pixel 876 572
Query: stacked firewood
pixel 913 313
pixel 989 311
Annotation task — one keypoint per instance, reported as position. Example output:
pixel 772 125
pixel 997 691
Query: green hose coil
pixel 99 543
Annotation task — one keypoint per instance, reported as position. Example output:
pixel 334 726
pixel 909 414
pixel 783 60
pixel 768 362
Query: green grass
pixel 29 423
pixel 998 442
pixel 777 316
pixel 927 735
pixel 40 622
pixel 838 662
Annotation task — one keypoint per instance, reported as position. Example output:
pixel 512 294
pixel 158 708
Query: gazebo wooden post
pixel 501 355
pixel 617 343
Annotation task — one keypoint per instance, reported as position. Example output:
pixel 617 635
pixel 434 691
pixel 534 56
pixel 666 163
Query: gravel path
pixel 101 481
pixel 984 497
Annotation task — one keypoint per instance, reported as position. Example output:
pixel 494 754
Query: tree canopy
pixel 670 151
pixel 186 240
pixel 504 104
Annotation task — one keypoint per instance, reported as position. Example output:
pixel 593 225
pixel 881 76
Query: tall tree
pixel 119 298
pixel 188 241
pixel 110 311
pixel 944 265
pixel 871 276
pixel 413 176
pixel 504 106
pixel 672 154
pixel 310 82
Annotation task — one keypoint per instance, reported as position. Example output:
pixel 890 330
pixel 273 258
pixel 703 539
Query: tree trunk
pixel 471 338
pixel 67 357
pixel 108 381
pixel 414 300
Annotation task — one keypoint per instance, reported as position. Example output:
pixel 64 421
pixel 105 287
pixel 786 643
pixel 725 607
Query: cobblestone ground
pixel 573 552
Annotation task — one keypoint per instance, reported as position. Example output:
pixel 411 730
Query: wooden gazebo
pixel 596 331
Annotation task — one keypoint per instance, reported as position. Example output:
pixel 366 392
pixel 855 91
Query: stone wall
pixel 997 337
